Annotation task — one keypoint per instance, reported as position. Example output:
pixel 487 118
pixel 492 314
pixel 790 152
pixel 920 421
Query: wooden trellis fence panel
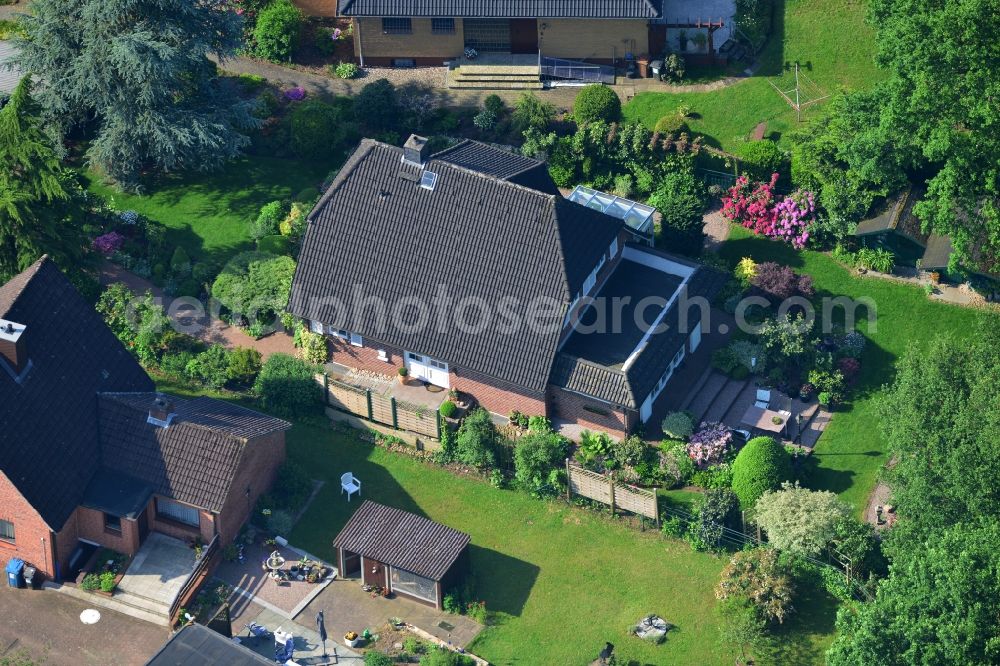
pixel 605 489
pixel 379 408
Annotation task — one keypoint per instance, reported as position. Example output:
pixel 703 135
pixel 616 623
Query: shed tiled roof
pixel 49 444
pixel 630 387
pixel 195 458
pixel 638 9
pixel 402 539
pixel 502 164
pixel 378 233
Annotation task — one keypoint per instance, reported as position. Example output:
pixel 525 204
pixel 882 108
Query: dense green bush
pixel 673 123
pixel 243 365
pixel 531 112
pixel 376 105
pixel 680 199
pixel 494 104
pixel 538 458
pixel 447 408
pixel 346 70
pixel 270 215
pixel 759 159
pixel 760 466
pixel 442 656
pixel 211 367
pixel 596 102
pixel 717 512
pixel 277 31
pixel 180 263
pixel 373 658
pixel 139 322
pixel 475 442
pixel 255 285
pixel 317 129
pixel 286 385
pixel 678 425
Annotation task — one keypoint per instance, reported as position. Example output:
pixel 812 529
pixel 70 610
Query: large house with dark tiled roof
pixel 469 268
pixel 91 454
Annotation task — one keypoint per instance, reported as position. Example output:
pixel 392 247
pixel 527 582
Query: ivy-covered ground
pixel 830 40
pixel 852 451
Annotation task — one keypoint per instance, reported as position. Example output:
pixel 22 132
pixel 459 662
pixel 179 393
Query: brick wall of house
pixel 206 530
pixel 573 407
pixel 317 7
pixel 366 357
pixel 596 40
pixel 90 526
pixel 32 537
pixel 261 459
pixel 66 541
pixel 497 396
pixel 423 45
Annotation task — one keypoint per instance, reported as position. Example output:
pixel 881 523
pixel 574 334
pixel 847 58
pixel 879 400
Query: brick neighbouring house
pixel 487 228
pixel 430 32
pixel 92 455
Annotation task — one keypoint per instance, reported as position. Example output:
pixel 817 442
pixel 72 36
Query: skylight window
pixel 428 180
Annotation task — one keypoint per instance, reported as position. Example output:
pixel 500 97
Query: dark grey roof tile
pixel 639 9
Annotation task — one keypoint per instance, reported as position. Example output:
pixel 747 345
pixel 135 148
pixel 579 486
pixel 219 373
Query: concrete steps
pixel 725 399
pixel 695 389
pixel 702 402
pixel 495 77
pixel 121 603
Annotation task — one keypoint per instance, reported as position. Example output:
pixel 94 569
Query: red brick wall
pixel 260 463
pixel 180 531
pixel 32 537
pixel 365 358
pixel 90 526
pixel 494 396
pixel 569 406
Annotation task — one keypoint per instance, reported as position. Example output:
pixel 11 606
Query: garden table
pixel 763 419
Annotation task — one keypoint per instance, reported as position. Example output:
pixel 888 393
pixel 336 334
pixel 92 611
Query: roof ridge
pixel 20 282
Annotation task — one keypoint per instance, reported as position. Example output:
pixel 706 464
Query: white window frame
pixel 356 340
pixel 316 326
pixel 394 573
pixel 8 535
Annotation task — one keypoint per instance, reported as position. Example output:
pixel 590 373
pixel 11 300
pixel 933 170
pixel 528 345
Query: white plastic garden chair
pixel 349 484
pixel 763 398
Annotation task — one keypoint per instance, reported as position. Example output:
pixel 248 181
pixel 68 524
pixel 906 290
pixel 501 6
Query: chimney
pixel 13 346
pixel 161 412
pixel 415 150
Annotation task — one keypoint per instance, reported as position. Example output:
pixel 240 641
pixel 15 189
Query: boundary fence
pixel 376 407
pixel 605 489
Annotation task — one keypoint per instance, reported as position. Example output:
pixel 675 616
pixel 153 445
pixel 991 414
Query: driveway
pixel 46 625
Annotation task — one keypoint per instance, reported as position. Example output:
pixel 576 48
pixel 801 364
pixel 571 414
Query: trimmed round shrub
pixel 760 466
pixel 255 285
pixel 447 409
pixel 376 105
pixel 286 386
pixel 316 129
pixel 678 425
pixel 494 104
pixel 671 124
pixel 596 102
pixel 277 31
pixel 346 70
pixel 270 216
pixel 759 159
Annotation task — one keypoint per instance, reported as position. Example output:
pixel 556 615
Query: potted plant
pixel 805 392
pixel 403 372
pixel 777 420
pixel 935 277
pixel 351 639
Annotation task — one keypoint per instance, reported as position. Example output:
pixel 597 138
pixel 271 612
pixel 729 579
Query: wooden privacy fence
pixel 605 489
pixel 379 408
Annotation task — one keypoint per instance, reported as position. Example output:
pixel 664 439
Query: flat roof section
pixel 606 339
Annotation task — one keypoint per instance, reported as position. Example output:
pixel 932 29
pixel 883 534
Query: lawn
pixel 829 39
pixel 564 580
pixel 209 214
pixel 851 451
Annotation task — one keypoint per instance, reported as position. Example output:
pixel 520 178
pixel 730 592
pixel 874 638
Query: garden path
pixel 209 330
pixel 716 228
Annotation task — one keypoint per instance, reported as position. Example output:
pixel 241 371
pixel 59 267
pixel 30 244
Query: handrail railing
pixel 193 580
pixel 576 70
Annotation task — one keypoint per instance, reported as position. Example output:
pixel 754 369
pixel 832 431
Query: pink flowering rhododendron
pixel 709 444
pixel 757 208
pixel 109 243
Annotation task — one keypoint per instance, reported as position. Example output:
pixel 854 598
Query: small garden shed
pixel 402 552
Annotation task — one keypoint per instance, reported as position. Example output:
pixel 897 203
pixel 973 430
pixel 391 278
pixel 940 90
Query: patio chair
pixel 763 398
pixel 349 484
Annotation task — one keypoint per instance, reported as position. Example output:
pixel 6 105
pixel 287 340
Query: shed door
pixel 524 35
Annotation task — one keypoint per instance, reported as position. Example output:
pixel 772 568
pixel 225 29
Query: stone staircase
pixel 724 400
pixel 135 606
pixel 495 77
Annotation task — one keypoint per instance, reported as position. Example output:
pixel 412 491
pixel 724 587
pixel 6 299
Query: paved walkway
pixel 159 570
pixel 308 646
pixel 210 331
pixel 46 625
pixel 716 228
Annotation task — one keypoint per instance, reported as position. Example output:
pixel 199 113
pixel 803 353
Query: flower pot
pixel 353 642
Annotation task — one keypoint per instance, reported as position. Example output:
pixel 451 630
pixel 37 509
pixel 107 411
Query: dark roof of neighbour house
pixel 501 164
pixel 48 423
pixel 592 364
pixel 638 9
pixel 402 539
pixel 195 458
pixel 378 233
pixel 197 645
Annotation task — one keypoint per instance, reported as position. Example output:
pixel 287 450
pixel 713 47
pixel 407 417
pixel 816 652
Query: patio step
pixel 114 603
pixel 706 396
pixel 815 427
pixel 508 77
pixel 499 70
pixel 142 603
pixel 725 399
pixel 696 388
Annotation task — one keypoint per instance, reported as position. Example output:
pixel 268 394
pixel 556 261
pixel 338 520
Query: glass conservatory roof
pixel 636 216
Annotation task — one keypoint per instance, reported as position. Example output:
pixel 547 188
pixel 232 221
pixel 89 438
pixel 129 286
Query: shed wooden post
pixel 569 483
pixel 437 421
pixel 611 487
pixel 395 418
pixel 326 389
pixel 368 399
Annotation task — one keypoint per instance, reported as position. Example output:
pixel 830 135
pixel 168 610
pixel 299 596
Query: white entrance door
pixel 428 369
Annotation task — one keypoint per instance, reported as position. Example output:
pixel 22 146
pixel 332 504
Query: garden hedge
pixel 596 102
pixel 760 466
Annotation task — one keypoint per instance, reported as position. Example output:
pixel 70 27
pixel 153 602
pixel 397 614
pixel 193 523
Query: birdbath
pixel 274 563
